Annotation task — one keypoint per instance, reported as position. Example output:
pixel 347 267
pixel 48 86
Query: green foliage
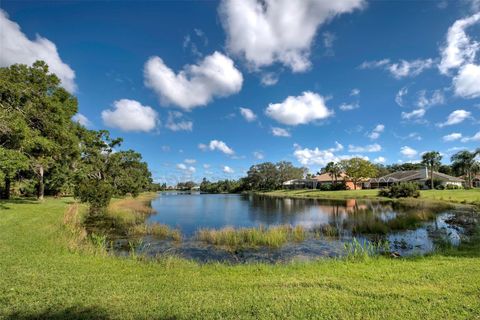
pixel 401 190
pixel 270 176
pixel 465 163
pixel 358 169
pixel 222 186
pixel 356 250
pixel 432 161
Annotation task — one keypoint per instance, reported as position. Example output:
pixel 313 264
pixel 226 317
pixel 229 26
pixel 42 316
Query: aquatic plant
pixel 273 237
pixel 157 230
pixel 356 250
pixel 326 230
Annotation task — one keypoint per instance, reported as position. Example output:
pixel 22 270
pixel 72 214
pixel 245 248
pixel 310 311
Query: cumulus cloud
pixel 175 123
pixel 269 79
pixel 369 148
pixel 82 120
pixel 355 92
pixel 185 168
pixel 280 132
pixel 455 117
pixel 301 109
pixel 415 114
pixel 308 157
pixel 436 98
pixel 227 169
pixel 258 155
pixel 265 32
pixel 452 136
pixel 196 85
pixel 400 94
pixel 380 160
pixel 216 145
pixel 349 106
pixel 400 69
pixel 17 48
pixel 467 83
pixel 248 114
pixel 190 161
pixel 475 137
pixel 408 152
pixel 459 48
pixel 375 134
pixel 130 115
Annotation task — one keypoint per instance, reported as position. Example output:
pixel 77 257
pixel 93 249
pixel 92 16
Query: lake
pixel 409 230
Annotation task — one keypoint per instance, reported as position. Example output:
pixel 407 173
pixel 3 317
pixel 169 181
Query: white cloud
pixel 415 114
pixel 355 92
pixel 175 125
pixel 269 79
pixel 280 132
pixel 216 145
pixel 187 169
pixel 265 32
pixel 196 85
pixel 408 152
pixel 375 134
pixel 459 49
pixel 369 148
pixel 190 161
pixel 308 157
pixel 467 82
pixel 17 48
pixel 400 94
pixel 475 137
pixel 400 69
pixel 258 155
pixel 328 39
pixel 248 114
pixel 452 136
pixel 130 115
pixel 379 160
pixel 82 120
pixel 301 109
pixel 349 106
pixel 206 166
pixel 227 169
pixel 456 117
pixel 436 98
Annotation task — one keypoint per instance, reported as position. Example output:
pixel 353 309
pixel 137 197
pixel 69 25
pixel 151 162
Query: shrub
pixel 401 190
pixel 452 187
pixel 325 187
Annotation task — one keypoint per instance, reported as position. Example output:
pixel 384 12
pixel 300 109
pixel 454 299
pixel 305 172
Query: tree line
pixel 44 152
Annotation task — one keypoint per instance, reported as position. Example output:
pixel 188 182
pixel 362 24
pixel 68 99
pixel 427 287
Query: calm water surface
pixel 408 230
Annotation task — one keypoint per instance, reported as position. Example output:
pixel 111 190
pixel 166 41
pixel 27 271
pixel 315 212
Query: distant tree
pixel 432 160
pixel 446 169
pixel 270 176
pixel 465 162
pixel 358 169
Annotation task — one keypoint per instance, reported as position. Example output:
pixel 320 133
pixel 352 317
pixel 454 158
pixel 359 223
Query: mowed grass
pixel 40 278
pixel 471 196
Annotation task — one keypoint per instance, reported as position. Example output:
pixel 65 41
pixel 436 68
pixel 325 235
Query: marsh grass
pixel 231 238
pixel 326 230
pixel 356 250
pixel 157 230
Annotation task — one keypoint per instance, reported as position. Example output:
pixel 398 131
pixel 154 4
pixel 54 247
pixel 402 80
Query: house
pixel 323 179
pixel 421 176
pixel 326 178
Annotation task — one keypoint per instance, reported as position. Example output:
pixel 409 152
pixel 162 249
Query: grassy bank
pixel 471 196
pixel 43 278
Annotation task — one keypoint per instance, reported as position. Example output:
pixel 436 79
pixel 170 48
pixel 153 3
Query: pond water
pixel 408 230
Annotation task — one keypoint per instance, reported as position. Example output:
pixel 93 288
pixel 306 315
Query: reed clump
pixel 157 230
pixel 273 237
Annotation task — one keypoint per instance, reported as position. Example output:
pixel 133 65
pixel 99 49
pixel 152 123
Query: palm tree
pixel 432 161
pixel 467 163
pixel 334 170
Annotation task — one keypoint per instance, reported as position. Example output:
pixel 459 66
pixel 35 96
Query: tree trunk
pixel 354 184
pixel 431 177
pixel 41 186
pixel 6 193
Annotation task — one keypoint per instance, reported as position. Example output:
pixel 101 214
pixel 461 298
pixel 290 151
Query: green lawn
pixel 40 278
pixel 471 196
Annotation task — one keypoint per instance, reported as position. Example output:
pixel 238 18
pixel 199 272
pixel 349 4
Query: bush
pixel 325 187
pixel 401 190
pixel 452 187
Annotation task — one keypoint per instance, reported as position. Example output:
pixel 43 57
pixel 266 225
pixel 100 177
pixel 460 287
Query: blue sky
pixel 206 89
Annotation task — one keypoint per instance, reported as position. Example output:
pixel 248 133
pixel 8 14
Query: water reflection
pixel 333 222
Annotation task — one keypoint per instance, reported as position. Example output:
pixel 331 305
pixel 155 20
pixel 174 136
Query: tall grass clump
pixel 157 230
pixel 273 237
pixel 326 230
pixel 356 250
pixel 73 223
